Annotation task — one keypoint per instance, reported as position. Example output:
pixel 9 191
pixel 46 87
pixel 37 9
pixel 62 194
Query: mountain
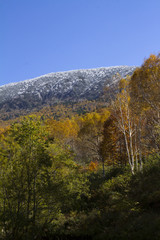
pixel 72 86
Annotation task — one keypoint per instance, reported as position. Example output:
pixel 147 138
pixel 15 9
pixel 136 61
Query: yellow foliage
pixel 64 129
pixel 93 166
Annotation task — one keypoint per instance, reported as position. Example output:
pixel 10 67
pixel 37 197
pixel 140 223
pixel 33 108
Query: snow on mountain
pixel 69 85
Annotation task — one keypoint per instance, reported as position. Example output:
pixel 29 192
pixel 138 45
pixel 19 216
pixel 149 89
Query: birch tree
pixel 127 124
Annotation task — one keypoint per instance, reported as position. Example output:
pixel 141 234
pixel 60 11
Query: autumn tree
pixel 90 135
pixel 126 124
pixel 145 97
pixel 145 85
pixel 112 147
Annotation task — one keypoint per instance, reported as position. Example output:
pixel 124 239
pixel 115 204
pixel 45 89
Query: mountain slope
pixel 72 87
pixel 61 86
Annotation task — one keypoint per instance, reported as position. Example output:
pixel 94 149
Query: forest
pixel 89 175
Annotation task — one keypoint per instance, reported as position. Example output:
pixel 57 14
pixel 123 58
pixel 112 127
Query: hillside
pixel 81 170
pixel 72 86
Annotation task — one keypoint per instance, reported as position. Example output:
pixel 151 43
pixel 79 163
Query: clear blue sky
pixel 43 36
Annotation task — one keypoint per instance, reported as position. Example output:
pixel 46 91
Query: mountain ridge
pixel 61 83
pixel 59 87
pixel 74 70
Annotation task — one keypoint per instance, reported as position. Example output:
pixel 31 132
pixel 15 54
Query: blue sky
pixel 43 36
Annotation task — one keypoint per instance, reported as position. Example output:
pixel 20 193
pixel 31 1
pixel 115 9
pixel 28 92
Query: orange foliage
pixel 93 166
